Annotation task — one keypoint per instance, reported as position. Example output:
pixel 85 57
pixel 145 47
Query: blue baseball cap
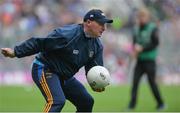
pixel 98 16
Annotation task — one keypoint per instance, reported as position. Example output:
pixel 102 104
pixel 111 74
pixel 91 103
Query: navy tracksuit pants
pixel 56 91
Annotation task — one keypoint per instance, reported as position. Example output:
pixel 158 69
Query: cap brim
pixel 104 20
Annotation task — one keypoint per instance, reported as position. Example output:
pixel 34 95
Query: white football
pixel 98 77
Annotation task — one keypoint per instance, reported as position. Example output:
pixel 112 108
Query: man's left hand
pixel 98 89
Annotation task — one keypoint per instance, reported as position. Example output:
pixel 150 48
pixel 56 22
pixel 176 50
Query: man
pixel 60 55
pixel 146 41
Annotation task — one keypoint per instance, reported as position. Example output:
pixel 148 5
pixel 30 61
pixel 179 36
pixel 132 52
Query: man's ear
pixel 88 22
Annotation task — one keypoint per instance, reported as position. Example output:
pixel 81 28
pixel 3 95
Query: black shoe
pixel 161 107
pixel 129 109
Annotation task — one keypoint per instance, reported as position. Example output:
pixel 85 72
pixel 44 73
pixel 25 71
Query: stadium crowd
pixel 21 19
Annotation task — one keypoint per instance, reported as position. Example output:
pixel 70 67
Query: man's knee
pixel 90 101
pixel 86 105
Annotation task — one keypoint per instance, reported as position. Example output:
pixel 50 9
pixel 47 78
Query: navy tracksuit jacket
pixel 60 55
pixel 65 50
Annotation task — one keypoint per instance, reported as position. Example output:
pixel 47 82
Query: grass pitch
pixel 114 99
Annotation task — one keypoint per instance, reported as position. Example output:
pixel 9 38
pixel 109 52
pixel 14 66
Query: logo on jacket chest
pixel 91 53
pixel 75 52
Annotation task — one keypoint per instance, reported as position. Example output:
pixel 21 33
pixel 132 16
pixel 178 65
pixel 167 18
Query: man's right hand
pixel 8 52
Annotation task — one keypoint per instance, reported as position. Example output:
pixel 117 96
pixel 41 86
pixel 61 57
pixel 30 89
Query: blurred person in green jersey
pixel 145 44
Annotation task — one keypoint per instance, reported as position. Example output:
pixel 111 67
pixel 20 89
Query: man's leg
pixel 138 72
pixel 50 86
pixel 78 95
pixel 151 74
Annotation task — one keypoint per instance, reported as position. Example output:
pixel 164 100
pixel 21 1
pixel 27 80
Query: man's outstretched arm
pixel 35 45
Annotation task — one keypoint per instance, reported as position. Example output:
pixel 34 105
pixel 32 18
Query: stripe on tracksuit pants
pixel 48 94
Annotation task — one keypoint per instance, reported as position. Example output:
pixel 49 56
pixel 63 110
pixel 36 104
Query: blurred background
pixel 22 19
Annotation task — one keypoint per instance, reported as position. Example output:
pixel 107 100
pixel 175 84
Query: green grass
pixel 114 99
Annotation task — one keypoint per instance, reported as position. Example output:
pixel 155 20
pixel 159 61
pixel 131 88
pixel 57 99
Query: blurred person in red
pixel 145 42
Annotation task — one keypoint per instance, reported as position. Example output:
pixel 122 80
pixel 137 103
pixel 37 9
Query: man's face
pixel 95 29
pixel 143 18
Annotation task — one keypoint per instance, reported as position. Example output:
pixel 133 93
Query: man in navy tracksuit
pixel 60 55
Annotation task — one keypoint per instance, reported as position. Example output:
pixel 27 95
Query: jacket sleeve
pixel 97 60
pixel 35 45
pixel 154 41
